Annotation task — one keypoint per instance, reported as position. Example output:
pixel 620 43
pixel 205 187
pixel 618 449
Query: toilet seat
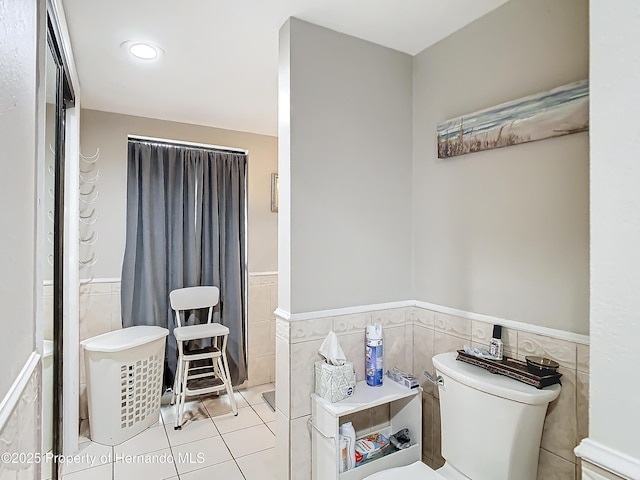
pixel 415 471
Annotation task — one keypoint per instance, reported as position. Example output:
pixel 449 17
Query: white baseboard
pixel 608 459
pixel 296 317
pixel 11 399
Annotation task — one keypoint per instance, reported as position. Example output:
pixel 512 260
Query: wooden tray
pixel 512 368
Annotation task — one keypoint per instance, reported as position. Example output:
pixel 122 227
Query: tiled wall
pixel 567 417
pixel 412 336
pixel 19 436
pixel 261 351
pixel 100 313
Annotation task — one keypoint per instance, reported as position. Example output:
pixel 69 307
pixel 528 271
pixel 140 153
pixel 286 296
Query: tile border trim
pixel 520 326
pixel 297 317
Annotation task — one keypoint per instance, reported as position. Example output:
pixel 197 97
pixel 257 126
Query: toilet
pixel 491 426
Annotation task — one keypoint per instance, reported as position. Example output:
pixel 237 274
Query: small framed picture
pixel 274 192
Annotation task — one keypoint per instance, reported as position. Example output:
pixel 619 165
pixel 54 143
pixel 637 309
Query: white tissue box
pixel 335 382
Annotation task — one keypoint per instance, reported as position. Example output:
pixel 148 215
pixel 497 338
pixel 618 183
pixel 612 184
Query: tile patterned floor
pixel 212 444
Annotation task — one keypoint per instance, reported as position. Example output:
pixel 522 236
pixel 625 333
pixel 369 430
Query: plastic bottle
pixel 344 454
pixel 349 433
pixel 495 345
pixel 373 355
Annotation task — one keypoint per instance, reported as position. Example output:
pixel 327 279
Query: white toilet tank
pixel 491 424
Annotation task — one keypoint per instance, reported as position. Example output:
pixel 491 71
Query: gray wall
pixel 19 61
pixel 504 232
pixel 349 170
pixel 108 132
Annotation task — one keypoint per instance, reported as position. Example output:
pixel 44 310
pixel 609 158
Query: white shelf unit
pixel 405 411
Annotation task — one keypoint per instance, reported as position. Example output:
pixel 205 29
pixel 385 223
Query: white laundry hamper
pixel 124 381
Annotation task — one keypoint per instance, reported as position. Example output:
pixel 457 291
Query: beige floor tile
pixel 264 412
pixel 258 466
pixel 151 440
pixel 90 454
pixel 103 472
pixel 249 440
pixel 201 454
pixel 193 410
pixel 219 405
pixel 223 471
pixel 158 465
pixel 191 432
pixel 253 395
pixel 246 418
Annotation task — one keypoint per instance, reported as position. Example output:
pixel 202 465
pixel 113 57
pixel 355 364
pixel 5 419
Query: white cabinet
pixel 405 411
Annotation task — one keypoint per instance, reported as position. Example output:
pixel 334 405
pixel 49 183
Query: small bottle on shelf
pixel 495 345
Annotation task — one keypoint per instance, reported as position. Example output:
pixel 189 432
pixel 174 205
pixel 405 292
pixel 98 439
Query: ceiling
pixel 220 66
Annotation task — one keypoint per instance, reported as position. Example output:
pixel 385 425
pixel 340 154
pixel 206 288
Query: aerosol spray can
pixel 373 355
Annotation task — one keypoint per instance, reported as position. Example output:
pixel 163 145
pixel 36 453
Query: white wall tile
pixel 282 329
pixel 582 405
pixel 301 449
pixel 305 330
pixel 421 316
pixel 259 303
pixel 559 435
pixel 303 357
pixel 423 348
pixel 261 369
pixel 482 332
pixel 583 356
pixel 395 348
pixel 283 376
pixel 452 325
pixel 345 324
pixel 390 318
pixel 260 341
pixel 561 351
pixel 283 445
pixel 353 348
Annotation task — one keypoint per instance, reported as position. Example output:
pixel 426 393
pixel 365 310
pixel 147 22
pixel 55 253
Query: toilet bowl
pixel 491 426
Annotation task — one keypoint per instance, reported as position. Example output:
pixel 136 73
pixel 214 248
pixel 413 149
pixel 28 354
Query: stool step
pixel 200 386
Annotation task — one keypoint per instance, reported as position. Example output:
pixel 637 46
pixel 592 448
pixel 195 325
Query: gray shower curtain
pixel 186 226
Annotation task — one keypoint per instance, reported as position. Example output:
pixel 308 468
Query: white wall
pixel 19 60
pixel 615 226
pixel 108 132
pixel 348 167
pixel 503 232
pixel 22 120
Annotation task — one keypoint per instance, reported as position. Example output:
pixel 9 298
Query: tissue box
pixel 335 382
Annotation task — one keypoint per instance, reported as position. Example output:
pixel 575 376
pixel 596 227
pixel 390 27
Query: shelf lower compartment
pixel 396 459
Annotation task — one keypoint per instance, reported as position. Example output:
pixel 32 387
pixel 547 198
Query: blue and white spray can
pixel 373 355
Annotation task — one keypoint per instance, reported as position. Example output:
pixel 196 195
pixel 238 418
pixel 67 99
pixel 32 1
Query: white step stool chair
pixel 197 379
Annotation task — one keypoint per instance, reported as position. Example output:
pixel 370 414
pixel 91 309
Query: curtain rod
pixel 180 143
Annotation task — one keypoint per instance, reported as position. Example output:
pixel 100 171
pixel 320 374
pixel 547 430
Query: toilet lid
pixel 415 471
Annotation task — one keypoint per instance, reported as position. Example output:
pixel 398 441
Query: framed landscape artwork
pixel 560 111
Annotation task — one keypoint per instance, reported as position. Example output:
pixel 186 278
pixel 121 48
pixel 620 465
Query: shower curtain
pixel 186 226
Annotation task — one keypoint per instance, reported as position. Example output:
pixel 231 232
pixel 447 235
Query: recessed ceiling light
pixel 142 50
